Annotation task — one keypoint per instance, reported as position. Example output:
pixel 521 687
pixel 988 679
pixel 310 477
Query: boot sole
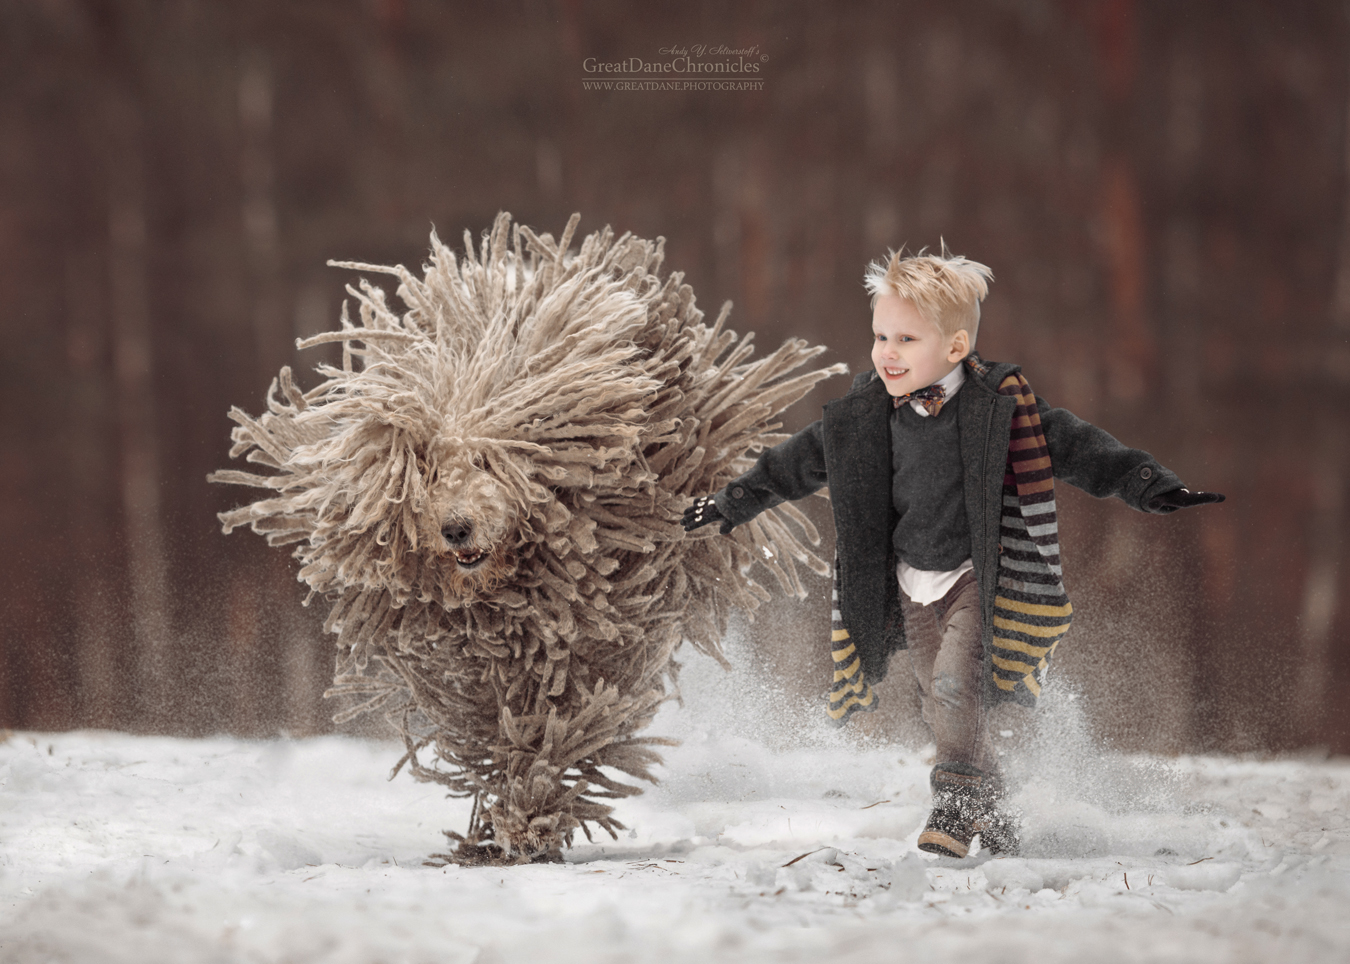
pixel 937 842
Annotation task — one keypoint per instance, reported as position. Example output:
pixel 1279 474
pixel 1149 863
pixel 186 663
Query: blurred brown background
pixel 1160 188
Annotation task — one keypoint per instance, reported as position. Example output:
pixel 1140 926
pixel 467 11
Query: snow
pixel 770 838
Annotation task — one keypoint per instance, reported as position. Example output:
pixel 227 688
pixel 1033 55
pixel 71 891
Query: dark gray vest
pixel 927 489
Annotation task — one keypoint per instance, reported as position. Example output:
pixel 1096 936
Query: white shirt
pixel 921 585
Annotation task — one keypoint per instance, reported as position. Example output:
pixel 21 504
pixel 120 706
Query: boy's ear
pixel 960 346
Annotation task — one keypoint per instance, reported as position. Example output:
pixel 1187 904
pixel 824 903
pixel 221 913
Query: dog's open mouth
pixel 469 558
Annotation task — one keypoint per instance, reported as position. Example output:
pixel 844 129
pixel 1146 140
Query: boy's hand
pixel 702 512
pixel 1181 499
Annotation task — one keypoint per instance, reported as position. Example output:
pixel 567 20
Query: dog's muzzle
pixel 459 534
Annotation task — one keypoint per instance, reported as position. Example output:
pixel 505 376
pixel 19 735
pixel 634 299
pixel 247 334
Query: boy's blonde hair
pixel 946 288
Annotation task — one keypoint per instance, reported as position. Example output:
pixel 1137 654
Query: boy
pixel 941 470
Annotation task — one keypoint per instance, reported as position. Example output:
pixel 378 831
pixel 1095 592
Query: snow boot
pixel 1000 832
pixel 966 803
pixel 999 827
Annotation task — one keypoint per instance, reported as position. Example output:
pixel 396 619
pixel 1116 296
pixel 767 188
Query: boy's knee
pixel 949 690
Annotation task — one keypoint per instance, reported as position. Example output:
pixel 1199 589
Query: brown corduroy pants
pixel 946 652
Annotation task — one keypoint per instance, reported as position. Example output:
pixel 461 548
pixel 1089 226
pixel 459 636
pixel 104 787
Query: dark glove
pixel 1181 499
pixel 702 512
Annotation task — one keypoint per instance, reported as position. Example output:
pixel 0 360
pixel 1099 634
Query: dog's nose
pixel 457 533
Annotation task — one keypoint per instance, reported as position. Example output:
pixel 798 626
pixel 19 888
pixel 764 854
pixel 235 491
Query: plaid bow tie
pixel 931 398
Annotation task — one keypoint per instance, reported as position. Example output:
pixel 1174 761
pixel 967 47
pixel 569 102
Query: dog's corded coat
pixel 488 489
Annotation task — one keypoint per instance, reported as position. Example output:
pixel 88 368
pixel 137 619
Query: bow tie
pixel 931 398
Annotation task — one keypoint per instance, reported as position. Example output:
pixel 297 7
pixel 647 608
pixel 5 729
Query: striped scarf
pixel 1032 611
pixel 849 692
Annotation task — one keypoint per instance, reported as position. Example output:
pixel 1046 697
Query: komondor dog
pixel 488 492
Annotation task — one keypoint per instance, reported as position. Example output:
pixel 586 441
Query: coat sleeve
pixel 1091 459
pixel 790 470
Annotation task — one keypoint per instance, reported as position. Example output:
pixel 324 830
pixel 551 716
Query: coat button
pixel 738 493
pixel 1146 473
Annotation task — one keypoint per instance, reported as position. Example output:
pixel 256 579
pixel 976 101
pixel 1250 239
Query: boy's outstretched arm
pixel 1092 459
pixel 1181 499
pixel 791 470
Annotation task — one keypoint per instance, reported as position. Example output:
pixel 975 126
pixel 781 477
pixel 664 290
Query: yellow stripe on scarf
pixel 852 686
pixel 852 704
pixel 848 671
pixel 1012 665
pixel 1017 646
pixel 1029 629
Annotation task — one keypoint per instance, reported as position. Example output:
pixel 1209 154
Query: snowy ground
pixel 123 848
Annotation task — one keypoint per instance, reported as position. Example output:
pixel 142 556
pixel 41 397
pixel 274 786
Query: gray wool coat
pixel 849 450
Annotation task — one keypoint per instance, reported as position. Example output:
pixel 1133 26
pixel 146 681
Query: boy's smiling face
pixel 909 351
